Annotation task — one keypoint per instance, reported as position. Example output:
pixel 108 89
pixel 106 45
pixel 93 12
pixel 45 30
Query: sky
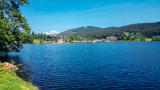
pixel 60 15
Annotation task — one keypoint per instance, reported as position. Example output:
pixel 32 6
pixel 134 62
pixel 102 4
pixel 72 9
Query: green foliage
pixel 78 38
pixel 45 37
pixel 142 38
pixel 147 30
pixel 13 26
pixel 126 34
pixel 82 31
pixel 156 38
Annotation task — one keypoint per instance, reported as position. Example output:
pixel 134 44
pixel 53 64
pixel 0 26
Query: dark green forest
pixel 129 32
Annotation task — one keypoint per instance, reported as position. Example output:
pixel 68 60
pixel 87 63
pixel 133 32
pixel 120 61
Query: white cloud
pixel 52 32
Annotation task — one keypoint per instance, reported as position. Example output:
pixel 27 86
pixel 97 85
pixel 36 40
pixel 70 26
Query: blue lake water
pixel 115 65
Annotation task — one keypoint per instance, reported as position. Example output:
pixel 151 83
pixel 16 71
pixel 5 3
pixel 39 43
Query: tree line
pixel 126 36
pixel 147 30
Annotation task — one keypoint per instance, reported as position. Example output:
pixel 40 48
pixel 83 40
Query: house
pixel 111 38
pixel 63 37
pixel 60 41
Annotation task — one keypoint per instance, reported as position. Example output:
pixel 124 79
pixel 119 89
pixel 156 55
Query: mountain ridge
pixel 148 29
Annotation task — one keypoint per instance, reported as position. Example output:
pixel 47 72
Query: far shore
pixel 88 42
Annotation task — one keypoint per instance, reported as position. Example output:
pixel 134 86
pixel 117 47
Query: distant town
pixel 53 38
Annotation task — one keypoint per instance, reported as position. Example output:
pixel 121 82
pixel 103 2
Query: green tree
pixel 142 38
pixel 119 38
pixel 126 34
pixel 12 25
pixel 41 36
pixel 32 37
pixel 45 37
pixel 156 38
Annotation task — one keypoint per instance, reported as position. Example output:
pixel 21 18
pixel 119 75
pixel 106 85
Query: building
pixel 60 41
pixel 111 38
pixel 63 37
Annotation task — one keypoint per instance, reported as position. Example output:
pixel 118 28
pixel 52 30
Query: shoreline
pixel 90 42
pixel 10 81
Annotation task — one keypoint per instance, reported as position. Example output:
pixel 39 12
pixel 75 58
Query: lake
pixel 114 65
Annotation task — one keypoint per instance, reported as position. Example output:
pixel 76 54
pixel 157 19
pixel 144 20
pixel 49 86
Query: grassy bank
pixel 10 81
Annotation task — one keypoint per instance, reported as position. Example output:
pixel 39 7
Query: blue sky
pixel 60 15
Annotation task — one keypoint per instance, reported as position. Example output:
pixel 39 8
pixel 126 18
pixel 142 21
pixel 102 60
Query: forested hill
pixel 146 29
pixel 81 31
